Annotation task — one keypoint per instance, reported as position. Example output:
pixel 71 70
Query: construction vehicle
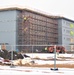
pixel 59 49
pixel 50 49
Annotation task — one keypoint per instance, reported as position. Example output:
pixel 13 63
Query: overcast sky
pixel 55 7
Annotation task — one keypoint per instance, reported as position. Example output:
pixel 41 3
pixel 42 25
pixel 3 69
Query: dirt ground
pixel 46 65
pixel 50 66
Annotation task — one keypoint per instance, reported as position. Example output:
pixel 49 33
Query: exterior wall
pixel 8 27
pixel 59 32
pixel 66 31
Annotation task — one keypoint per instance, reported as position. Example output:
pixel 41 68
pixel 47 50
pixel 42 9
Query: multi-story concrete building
pixel 30 27
pixel 27 27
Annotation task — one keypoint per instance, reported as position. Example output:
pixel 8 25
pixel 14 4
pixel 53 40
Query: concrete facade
pixel 65 32
pixel 8 27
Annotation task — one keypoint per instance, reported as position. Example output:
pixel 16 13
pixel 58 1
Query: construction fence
pixel 33 54
pixel 38 48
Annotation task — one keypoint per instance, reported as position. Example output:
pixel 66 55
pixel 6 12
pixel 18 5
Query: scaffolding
pixel 36 29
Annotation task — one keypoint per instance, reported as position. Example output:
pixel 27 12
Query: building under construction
pixel 21 27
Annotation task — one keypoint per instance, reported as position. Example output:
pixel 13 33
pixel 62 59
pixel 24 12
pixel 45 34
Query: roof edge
pixel 65 19
pixel 35 11
pixel 32 10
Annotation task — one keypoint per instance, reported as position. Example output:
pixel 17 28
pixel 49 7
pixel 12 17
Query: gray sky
pixel 53 7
